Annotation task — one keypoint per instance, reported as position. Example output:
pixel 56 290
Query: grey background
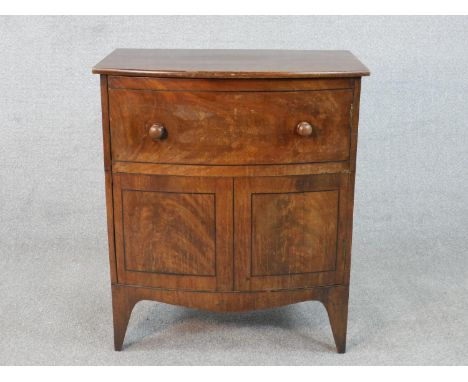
pixel 409 300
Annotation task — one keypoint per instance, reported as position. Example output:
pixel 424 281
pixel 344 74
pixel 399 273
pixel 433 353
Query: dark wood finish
pixel 230 179
pixel 335 300
pixel 294 232
pixel 352 177
pixel 174 232
pixel 105 123
pixel 227 128
pixel 110 226
pixel 123 302
pixel 230 171
pixel 169 232
pixel 229 85
pixel 336 303
pixel 108 177
pixel 354 124
pixel 231 63
pixel 290 231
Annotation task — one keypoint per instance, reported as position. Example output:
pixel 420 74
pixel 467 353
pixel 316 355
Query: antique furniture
pixel 230 178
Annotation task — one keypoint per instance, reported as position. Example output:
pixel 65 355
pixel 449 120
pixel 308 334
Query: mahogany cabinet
pixel 230 178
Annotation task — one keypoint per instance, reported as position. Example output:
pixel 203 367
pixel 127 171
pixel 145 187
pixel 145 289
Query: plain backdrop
pixel 409 290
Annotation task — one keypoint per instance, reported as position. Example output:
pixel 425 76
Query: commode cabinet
pixel 230 178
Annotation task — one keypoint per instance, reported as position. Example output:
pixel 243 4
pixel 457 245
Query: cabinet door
pixel 174 232
pixel 290 232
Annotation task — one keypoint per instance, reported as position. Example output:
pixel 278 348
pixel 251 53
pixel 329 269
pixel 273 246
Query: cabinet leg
pixel 123 302
pixel 336 303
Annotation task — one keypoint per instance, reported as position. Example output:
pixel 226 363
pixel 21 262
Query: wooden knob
pixel 157 132
pixel 304 129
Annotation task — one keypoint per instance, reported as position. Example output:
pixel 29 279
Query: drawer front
pixel 230 127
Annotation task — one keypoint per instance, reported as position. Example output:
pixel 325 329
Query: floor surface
pixel 414 313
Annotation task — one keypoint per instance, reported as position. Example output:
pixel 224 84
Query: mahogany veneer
pixel 230 178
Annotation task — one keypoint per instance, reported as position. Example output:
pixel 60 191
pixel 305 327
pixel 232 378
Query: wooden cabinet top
pixel 231 63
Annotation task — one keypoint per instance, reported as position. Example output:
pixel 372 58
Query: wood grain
pixel 110 227
pixel 273 236
pixel 335 301
pixel 348 220
pixel 174 232
pixel 214 199
pixel 108 177
pixel 228 85
pixel 167 232
pixel 106 140
pixel 230 128
pixel 231 63
pixel 294 232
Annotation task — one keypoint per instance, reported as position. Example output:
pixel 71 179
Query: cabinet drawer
pixel 230 127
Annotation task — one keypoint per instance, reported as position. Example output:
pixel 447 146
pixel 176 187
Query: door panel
pixel 169 232
pixel 294 232
pixel 174 232
pixel 290 231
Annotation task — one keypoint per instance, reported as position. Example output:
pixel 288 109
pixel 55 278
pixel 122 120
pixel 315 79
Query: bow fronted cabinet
pixel 230 178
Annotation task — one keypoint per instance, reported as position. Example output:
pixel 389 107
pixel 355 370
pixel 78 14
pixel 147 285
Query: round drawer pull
pixel 157 132
pixel 304 129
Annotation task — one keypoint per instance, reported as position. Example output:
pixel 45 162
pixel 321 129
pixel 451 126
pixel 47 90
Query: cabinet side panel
pixel 108 177
pixel 105 123
pixel 110 227
pixel 354 119
pixel 242 233
pixel 347 241
pixel 229 85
